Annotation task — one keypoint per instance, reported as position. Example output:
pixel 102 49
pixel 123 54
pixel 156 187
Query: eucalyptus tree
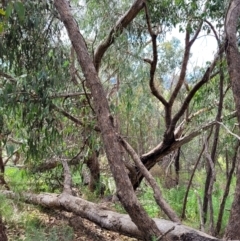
pixel 233 59
pixel 170 121
pixel 41 93
pixel 127 79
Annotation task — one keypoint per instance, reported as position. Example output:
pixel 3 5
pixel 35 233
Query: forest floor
pixel 64 225
pixel 88 231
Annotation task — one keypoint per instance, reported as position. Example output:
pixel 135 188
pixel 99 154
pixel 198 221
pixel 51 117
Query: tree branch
pixel 122 23
pixel 191 94
pixel 157 192
pixel 72 118
pixel 153 63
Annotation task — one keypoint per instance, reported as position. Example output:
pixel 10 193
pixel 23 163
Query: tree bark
pixel 183 216
pixel 232 53
pixel 232 231
pixel 2 170
pixel 108 219
pixel 112 147
pixel 207 196
pixel 93 165
pixel 233 61
pixel 226 191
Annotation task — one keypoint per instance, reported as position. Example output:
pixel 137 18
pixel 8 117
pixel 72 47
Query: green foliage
pixel 17 179
pixel 148 202
pixel 35 231
pixel 175 197
pixel 6 210
pixel 22 180
pixel 36 65
pixel 29 224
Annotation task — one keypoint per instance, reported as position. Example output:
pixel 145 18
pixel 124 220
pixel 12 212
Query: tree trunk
pixel 2 170
pixel 3 236
pixel 233 60
pixel 208 193
pixel 93 165
pixel 108 219
pixel 112 147
pixel 226 191
pixel 233 231
pixel 183 216
pixel 177 165
pixel 232 53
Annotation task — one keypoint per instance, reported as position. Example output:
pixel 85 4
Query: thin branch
pixel 200 208
pixel 189 185
pixel 183 69
pixel 227 189
pixel 230 132
pixel 196 33
pixel 74 119
pixel 87 97
pixel 191 94
pixel 153 63
pixel 214 31
pixel 15 141
pixel 210 187
pixel 9 77
pixel 181 80
pixel 67 95
pixel 6 161
pixel 199 26
pixel 165 234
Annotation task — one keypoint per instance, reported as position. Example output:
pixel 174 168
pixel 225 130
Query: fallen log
pixel 108 219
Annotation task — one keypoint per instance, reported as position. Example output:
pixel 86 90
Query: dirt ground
pixel 87 231
pixel 84 230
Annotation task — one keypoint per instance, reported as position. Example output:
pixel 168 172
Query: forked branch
pixel 122 23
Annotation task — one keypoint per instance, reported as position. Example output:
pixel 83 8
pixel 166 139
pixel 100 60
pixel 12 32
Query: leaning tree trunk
pixel 112 146
pixel 233 60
